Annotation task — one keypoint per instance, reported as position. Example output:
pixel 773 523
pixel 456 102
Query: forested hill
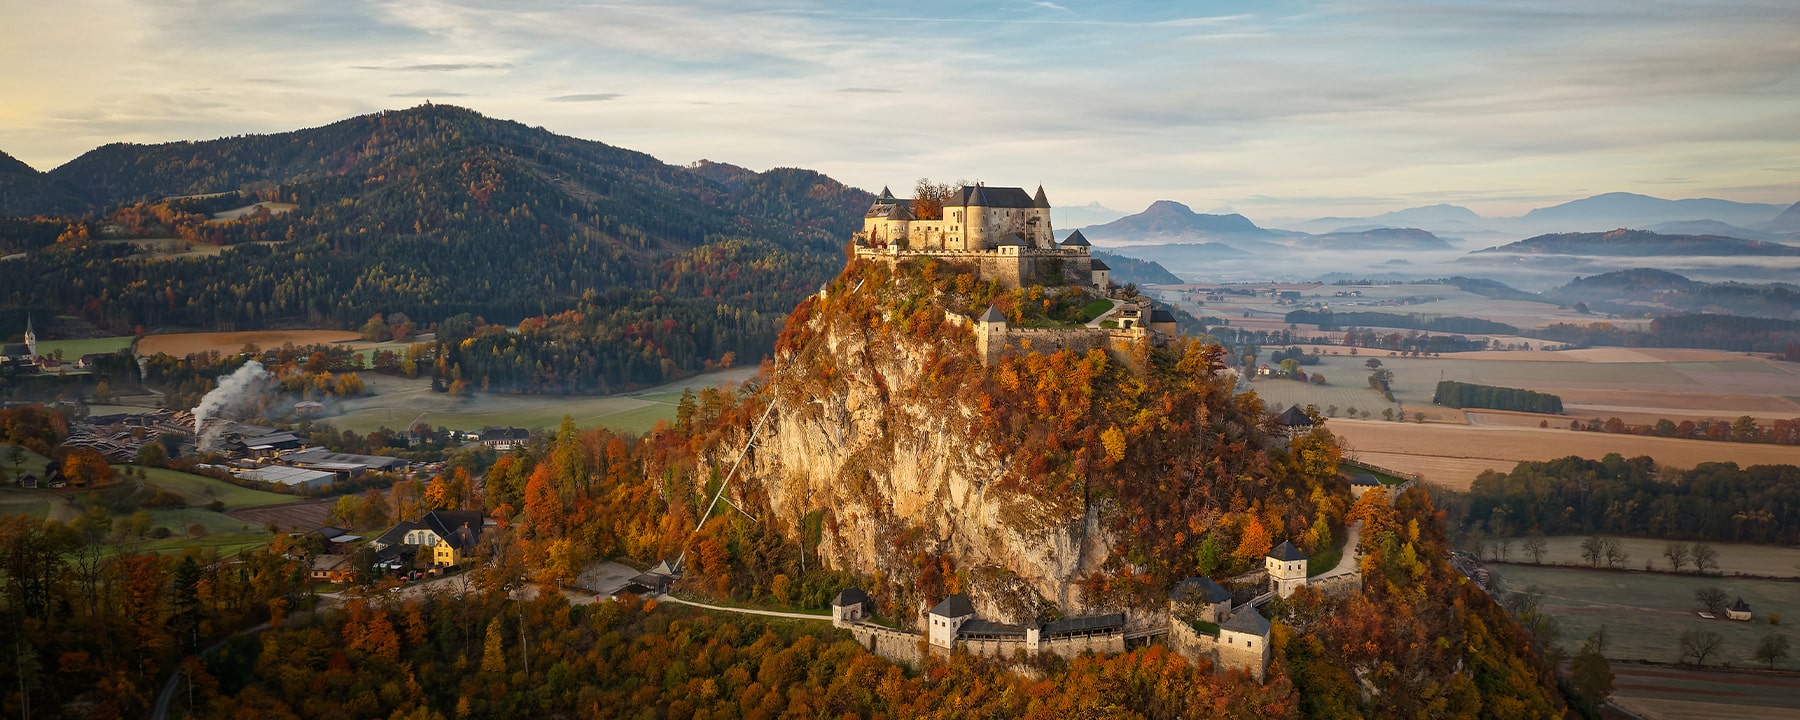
pixel 1640 243
pixel 25 191
pixel 436 212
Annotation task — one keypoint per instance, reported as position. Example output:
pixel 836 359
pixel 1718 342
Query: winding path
pixel 1346 562
pixel 746 611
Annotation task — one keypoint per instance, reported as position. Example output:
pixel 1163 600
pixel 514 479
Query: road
pixel 1346 563
pixel 166 696
pixel 745 611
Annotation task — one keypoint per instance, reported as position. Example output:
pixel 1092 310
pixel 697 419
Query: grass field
pixel 1452 455
pixel 1734 558
pixel 1645 613
pixel 181 344
pixel 397 403
pixel 72 350
pixel 200 490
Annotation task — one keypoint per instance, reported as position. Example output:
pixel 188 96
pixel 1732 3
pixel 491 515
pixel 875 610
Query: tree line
pixel 1451 393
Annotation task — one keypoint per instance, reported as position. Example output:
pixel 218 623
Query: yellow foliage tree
pixel 1254 543
pixel 493 650
pixel 1114 441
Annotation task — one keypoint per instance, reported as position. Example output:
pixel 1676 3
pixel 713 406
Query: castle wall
pixel 1001 649
pixel 896 645
pixel 1070 647
pixel 1192 644
pixel 1237 651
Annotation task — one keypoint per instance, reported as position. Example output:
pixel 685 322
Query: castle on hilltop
pixel 1003 230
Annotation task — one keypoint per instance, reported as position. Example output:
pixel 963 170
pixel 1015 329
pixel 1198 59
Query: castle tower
pixel 1041 236
pixel 990 335
pixel 30 337
pixel 1287 568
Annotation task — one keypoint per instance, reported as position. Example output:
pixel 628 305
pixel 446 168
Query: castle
pixel 1002 230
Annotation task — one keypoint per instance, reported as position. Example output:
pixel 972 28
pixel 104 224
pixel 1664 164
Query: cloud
pixel 437 67
pixel 586 97
pixel 867 90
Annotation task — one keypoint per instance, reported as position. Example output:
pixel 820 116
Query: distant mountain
pixel 1712 227
pixel 1648 291
pixel 1642 243
pixel 1377 239
pixel 1182 257
pixel 1132 270
pixel 25 191
pixel 1170 222
pixel 1439 218
pixel 1618 209
pixel 1787 222
pixel 1093 213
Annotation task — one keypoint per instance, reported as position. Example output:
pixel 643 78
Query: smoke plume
pixel 236 394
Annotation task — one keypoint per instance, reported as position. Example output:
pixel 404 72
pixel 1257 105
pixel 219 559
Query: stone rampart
pixel 897 645
pixel 1111 643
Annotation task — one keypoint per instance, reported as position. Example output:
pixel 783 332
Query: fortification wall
pixel 1233 656
pixel 896 645
pixel 1070 647
pixel 1348 583
pixel 1192 644
pixel 998 649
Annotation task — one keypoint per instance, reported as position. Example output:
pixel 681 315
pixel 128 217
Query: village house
pixel 449 536
pixel 1738 610
pixel 332 569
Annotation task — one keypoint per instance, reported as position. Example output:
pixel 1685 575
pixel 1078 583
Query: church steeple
pixel 30 337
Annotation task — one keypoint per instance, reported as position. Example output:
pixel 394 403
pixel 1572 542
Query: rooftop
pixel 1287 551
pixel 1086 623
pixel 1199 589
pixel 853 596
pixel 954 606
pixel 1247 621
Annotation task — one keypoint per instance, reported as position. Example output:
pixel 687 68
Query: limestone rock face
pixel 863 430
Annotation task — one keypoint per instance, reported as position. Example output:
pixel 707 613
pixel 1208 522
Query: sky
pixel 1274 109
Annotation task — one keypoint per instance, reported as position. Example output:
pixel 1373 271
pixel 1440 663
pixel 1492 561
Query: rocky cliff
pixel 937 475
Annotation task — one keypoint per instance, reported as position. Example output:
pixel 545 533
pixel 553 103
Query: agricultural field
pixel 1671 693
pixel 200 490
pixel 398 403
pixel 275 208
pixel 72 350
pixel 227 343
pixel 1595 383
pixel 1645 613
pixel 300 516
pixel 1430 300
pixel 1452 455
pixel 1734 558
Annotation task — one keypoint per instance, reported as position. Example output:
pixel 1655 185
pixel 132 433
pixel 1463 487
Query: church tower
pixel 30 337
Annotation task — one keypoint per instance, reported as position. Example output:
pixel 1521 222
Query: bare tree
pixel 1677 553
pixel 1615 553
pixel 1534 546
pixel 1773 649
pixel 1704 557
pixel 1711 598
pixel 1699 645
pixel 1505 544
pixel 1593 549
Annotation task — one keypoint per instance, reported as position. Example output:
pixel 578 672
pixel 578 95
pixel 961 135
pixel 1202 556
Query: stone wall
pixel 1070 647
pixel 994 648
pixel 896 645
pixel 1192 644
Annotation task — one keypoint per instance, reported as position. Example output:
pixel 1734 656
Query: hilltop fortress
pixel 1003 230
pixel 1004 233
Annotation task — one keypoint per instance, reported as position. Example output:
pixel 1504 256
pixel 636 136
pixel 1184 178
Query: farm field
pixel 1438 301
pixel 180 344
pixel 275 208
pixel 1452 455
pixel 299 516
pixel 1734 558
pixel 200 490
pixel 1685 384
pixel 398 403
pixel 72 350
pixel 1670 693
pixel 1645 613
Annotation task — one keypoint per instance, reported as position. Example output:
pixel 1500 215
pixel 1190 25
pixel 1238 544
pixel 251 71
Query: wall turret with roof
pixel 1287 568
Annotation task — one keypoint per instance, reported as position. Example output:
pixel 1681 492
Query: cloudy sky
pixel 1273 109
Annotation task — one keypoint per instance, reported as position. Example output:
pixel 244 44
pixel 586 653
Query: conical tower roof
pixel 1039 200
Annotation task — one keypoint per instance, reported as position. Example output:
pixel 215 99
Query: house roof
pixel 1160 315
pixel 505 433
pixel 1012 239
pixel 853 596
pixel 992 315
pixel 886 194
pixel 1740 605
pixel 1365 480
pixel 1199 589
pixel 396 535
pixel 1076 239
pixel 1287 551
pixel 460 528
pixel 1293 417
pixel 984 627
pixel 1097 265
pixel 954 606
pixel 1086 623
pixel 984 196
pixel 1247 621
